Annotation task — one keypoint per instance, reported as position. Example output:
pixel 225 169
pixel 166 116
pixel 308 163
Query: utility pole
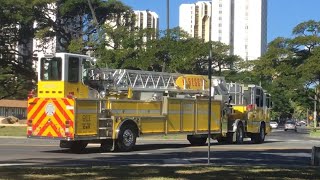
pixel 210 100
pixel 307 117
pixel 315 109
pixel 210 84
pixel 167 35
pixel 168 19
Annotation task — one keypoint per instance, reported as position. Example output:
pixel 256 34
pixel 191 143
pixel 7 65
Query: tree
pixel 291 68
pixel 16 33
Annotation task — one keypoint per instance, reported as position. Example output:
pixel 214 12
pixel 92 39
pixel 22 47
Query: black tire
pixel 259 137
pixel 127 138
pixel 197 140
pixel 106 146
pixel 222 140
pixel 78 146
pixel 225 140
pixel 239 134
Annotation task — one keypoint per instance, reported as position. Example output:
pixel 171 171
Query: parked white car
pixel 273 124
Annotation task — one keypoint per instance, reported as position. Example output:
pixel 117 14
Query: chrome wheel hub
pixel 128 137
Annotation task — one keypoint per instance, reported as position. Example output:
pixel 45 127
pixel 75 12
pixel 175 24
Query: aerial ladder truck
pixel 78 104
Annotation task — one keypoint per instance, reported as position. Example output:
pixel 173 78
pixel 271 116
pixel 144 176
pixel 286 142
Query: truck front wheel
pixel 127 138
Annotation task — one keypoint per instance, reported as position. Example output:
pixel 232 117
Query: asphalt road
pixel 280 148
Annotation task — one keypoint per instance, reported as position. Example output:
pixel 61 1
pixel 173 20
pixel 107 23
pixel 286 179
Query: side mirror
pixel 230 99
pixel 86 64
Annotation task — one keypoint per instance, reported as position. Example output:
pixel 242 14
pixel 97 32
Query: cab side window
pixel 259 98
pixel 73 71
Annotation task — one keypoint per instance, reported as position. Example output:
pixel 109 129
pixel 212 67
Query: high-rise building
pixel 241 24
pixel 147 20
pixel 195 19
pixel 143 20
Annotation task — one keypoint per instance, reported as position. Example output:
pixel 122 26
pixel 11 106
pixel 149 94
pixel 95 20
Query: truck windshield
pixel 50 69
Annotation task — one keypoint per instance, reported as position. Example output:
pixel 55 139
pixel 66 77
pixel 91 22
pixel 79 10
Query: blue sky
pixel 283 15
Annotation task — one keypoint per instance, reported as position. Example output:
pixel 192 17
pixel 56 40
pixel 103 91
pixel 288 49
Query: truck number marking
pixel 86 121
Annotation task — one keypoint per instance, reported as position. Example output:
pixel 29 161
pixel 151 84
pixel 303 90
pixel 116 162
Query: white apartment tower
pixel 143 20
pixel 242 24
pixel 195 19
pixel 147 20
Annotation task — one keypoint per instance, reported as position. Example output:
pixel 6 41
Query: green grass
pixel 155 172
pixel 13 130
pixel 315 133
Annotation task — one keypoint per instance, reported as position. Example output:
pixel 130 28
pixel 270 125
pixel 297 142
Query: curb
pixel 13 137
pixel 14 125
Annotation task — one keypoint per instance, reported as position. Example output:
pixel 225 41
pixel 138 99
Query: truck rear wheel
pixel 78 146
pixel 127 138
pixel 259 137
pixel 197 140
pixel 239 134
pixel 227 139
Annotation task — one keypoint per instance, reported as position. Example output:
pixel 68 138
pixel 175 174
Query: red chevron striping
pixel 62 111
pixel 43 129
pixel 55 129
pixel 49 134
pixel 57 118
pixel 66 101
pixel 34 102
pixel 39 121
pixel 71 110
pixel 39 109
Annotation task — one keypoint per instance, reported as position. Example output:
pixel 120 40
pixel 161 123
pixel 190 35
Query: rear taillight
pixel 250 107
pixel 31 94
pixel 29 127
pixel 70 95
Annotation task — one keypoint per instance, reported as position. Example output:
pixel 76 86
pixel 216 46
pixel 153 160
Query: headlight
pixel 102 94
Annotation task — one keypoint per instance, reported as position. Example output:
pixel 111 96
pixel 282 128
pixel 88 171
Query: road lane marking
pixel 176 161
pixel 243 148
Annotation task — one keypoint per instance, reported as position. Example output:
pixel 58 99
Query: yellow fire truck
pixel 78 104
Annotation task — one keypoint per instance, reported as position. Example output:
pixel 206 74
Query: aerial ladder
pixel 150 81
